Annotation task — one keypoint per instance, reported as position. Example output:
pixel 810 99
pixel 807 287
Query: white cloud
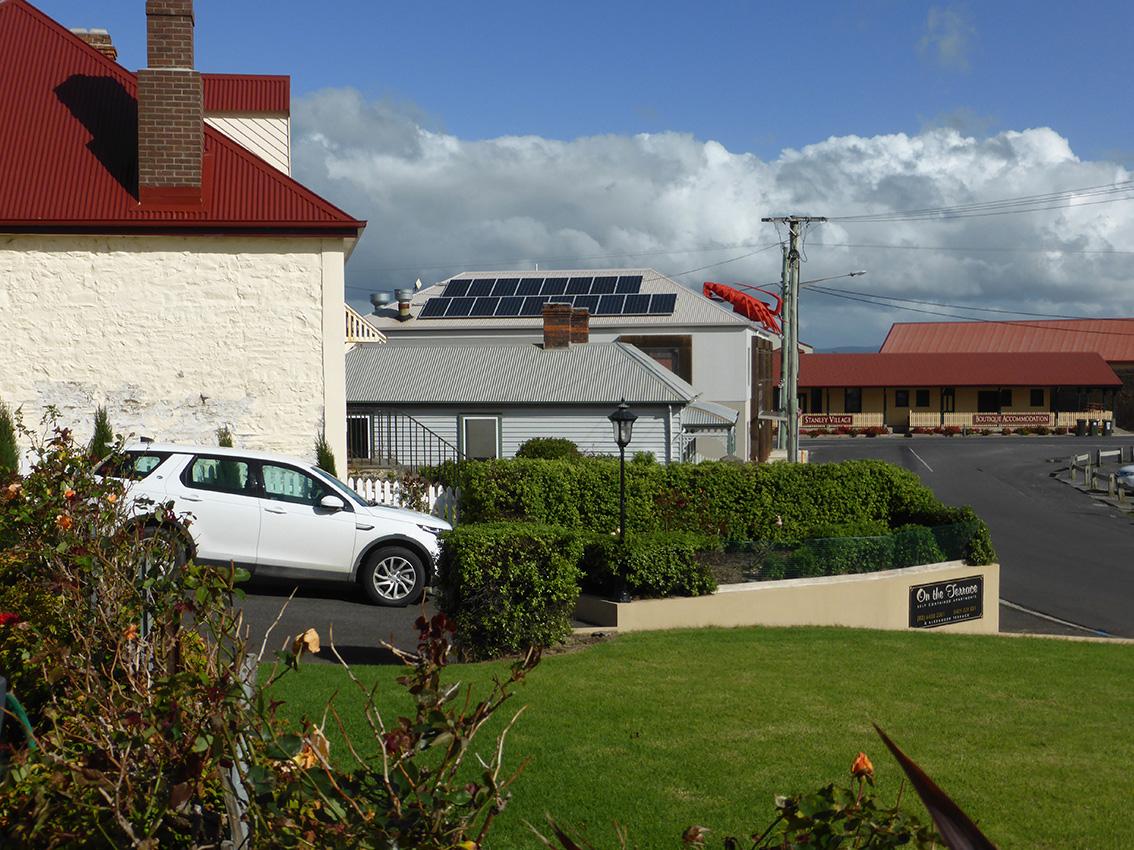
pixel 947 38
pixel 433 199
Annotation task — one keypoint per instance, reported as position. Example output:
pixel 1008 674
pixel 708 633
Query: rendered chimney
pixel 580 325
pixel 170 113
pixel 98 39
pixel 557 325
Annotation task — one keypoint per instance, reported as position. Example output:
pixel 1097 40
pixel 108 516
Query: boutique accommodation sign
pixel 1001 419
pixel 945 602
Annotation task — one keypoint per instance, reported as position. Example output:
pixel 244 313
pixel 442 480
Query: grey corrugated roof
pixel 598 373
pixel 708 414
pixel 692 308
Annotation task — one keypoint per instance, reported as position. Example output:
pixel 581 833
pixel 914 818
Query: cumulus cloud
pixel 438 204
pixel 947 38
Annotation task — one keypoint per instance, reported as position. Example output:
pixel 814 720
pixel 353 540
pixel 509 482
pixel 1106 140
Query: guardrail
pixel 1086 467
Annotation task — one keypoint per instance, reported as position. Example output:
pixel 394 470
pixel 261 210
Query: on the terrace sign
pixel 827 419
pixel 1013 418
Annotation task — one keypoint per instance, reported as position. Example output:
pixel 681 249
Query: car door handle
pixel 190 498
pixel 274 510
pixel 358 526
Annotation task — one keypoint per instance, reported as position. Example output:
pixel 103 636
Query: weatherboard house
pixel 721 354
pixel 156 257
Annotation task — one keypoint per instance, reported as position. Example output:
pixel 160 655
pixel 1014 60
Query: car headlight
pixel 430 529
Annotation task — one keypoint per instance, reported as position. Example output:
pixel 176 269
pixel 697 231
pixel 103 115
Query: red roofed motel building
pixel 974 390
pixel 1112 339
pixel 156 257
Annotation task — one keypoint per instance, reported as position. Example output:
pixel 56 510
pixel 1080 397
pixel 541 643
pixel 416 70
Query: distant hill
pixel 849 349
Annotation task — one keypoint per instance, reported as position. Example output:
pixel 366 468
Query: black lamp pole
pixel 621 493
pixel 623 421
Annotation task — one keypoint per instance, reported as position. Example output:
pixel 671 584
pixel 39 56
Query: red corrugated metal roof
pixel 246 93
pixel 68 150
pixel 1112 338
pixel 1044 369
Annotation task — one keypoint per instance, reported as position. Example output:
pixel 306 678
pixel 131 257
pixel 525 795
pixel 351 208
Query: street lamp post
pixel 623 421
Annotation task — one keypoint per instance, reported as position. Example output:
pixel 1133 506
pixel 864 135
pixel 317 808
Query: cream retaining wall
pixel 178 336
pixel 869 600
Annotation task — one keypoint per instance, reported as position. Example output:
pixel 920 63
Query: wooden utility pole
pixel 789 348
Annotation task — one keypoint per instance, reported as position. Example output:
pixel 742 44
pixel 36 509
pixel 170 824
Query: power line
pixel 967 250
pixel 960 306
pixel 880 301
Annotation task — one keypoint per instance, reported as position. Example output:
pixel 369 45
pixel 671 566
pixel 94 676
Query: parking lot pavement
pixel 1062 554
pixel 357 627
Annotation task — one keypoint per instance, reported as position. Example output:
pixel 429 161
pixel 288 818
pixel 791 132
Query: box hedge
pixel 655 564
pixel 781 503
pixel 508 586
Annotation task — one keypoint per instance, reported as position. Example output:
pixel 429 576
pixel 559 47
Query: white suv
pixel 278 516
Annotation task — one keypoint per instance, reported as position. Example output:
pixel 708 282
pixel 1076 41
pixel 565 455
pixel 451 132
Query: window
pixel 948 400
pixel 988 401
pixel 481 437
pixel 852 401
pixel 1006 398
pixel 901 398
pixel 922 398
pixel 285 484
pixel 133 466
pixel 1037 398
pixel 816 400
pixel 358 437
pixel 225 475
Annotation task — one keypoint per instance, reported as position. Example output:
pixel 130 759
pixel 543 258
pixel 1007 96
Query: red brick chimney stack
pixel 99 39
pixel 581 325
pixel 170 109
pixel 557 325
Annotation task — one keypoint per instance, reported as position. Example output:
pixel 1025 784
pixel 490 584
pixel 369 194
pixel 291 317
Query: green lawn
pixel 1034 738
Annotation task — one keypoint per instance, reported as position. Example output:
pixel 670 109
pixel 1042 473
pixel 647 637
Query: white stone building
pixel 155 255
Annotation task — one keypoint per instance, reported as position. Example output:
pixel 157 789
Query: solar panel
pixel 506 286
pixel 586 302
pixel 603 286
pixel 610 305
pixel 629 283
pixel 434 308
pixel 459 307
pixel 457 288
pixel 579 286
pixel 481 287
pixel 530 286
pixel 554 286
pixel 636 305
pixel 533 306
pixel 485 307
pixel 662 304
pixel 510 306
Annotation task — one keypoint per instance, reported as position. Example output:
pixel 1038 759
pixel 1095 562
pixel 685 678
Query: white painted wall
pixel 267 136
pixel 178 336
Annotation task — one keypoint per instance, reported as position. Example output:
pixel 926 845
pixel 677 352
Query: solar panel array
pixel 524 297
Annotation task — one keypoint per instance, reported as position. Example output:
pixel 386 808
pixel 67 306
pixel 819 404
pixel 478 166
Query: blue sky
pixel 405 114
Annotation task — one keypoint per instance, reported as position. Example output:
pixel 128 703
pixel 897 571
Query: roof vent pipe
pixel 380 300
pixel 404 296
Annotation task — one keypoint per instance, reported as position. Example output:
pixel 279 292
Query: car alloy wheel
pixel 394 577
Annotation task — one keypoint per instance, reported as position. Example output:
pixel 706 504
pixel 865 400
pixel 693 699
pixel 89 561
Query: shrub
pixel 324 457
pixel 875 431
pixel 916 544
pixel 951 430
pixel 9 448
pixel 1005 430
pixel 1042 430
pixel 103 438
pixel 1061 430
pixel 835 556
pixel 549 448
pixel 509 586
pixel 843 429
pixel 659 564
pixel 646 458
pixel 224 437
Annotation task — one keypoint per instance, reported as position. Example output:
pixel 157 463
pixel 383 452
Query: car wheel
pixel 393 576
pixel 164 553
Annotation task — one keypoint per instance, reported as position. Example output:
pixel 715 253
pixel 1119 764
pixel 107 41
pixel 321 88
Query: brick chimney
pixel 557 325
pixel 170 114
pixel 99 40
pixel 580 325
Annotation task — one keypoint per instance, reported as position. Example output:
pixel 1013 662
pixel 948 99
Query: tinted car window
pixel 286 484
pixel 132 465
pixel 223 474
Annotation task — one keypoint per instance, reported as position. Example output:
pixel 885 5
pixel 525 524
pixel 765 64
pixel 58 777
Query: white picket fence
pixel 441 501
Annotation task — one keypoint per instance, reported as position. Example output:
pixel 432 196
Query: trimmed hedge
pixel 549 448
pixel 508 586
pixel 656 564
pixel 732 501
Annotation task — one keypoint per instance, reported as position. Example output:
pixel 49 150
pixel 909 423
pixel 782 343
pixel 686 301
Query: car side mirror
pixel 332 503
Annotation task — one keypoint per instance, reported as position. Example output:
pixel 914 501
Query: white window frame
pixel 494 417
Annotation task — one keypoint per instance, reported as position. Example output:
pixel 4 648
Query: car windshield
pixel 342 488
